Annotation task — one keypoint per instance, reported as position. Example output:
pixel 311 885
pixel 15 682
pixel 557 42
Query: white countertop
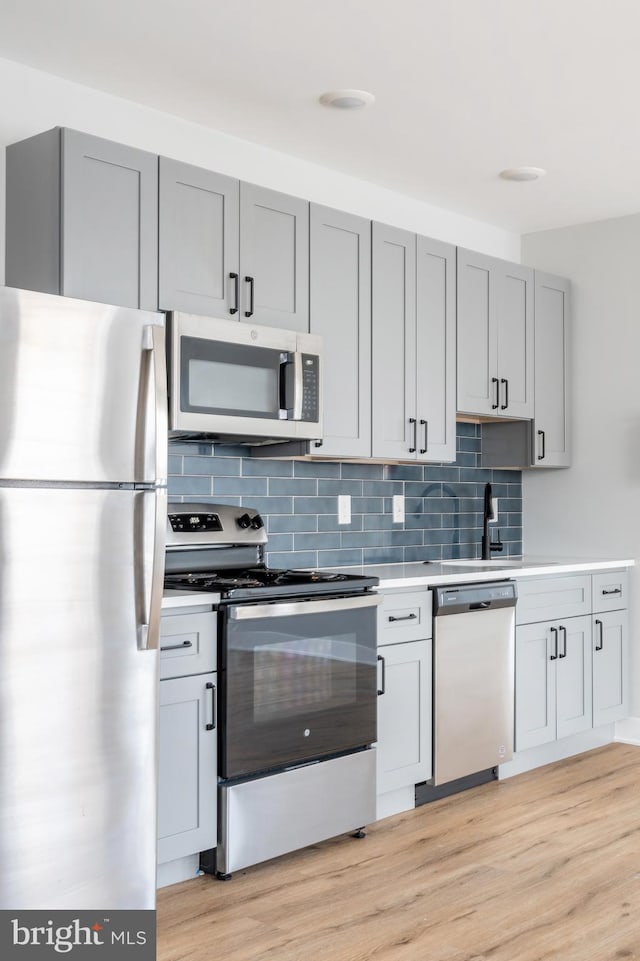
pixel 422 574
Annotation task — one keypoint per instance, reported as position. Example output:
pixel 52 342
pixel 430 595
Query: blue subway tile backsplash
pixel 298 500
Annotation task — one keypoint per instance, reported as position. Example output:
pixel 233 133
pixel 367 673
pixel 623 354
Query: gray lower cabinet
pixel 404 715
pixel 553 680
pixel 232 250
pixel 198 240
pixel 413 330
pixel 187 740
pixel 610 666
pixel 82 218
pixel 340 311
pixel 495 352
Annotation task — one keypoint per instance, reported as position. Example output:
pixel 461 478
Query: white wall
pixel 33 101
pixel 593 508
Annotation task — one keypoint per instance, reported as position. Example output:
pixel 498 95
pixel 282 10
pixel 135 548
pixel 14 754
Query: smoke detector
pixel 347 99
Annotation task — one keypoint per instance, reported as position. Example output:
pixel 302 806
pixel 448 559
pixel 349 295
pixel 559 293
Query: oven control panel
pixel 197 523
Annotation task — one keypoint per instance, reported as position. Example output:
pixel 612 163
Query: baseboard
pixel 395 802
pixel 182 869
pixel 558 750
pixel 628 731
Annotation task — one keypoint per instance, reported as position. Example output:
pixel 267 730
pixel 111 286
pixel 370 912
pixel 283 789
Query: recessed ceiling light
pixel 523 173
pixel 347 99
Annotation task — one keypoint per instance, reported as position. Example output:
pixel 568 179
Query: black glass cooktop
pixel 263 581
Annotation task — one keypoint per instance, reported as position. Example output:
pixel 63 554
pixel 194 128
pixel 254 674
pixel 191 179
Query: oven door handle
pixel 254 612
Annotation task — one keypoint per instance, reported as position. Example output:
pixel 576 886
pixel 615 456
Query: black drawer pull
pixel 614 590
pixel 405 617
pixel 381 690
pixel 236 282
pixel 554 656
pixel 563 631
pixel 177 647
pixel 504 381
pixel 494 380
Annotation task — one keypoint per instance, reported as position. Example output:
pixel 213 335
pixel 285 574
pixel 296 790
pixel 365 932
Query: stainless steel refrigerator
pixel 83 437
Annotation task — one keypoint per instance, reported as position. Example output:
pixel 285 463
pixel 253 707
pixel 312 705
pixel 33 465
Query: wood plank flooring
pixel 545 865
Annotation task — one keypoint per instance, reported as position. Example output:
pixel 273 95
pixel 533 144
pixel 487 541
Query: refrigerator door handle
pixel 153 577
pixel 153 342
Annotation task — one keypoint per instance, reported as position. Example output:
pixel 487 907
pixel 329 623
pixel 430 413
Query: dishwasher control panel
pixel 457 598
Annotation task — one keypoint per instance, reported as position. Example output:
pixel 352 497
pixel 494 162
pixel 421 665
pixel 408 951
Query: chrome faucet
pixel 487 544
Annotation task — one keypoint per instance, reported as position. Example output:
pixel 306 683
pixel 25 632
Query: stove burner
pixel 253 578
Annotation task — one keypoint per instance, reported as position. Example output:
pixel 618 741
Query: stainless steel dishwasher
pixel 473 678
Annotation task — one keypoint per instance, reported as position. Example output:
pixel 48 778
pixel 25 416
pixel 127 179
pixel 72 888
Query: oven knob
pixel 244 521
pixel 257 522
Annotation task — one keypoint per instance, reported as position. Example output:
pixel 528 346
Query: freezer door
pixel 78 699
pixel 82 391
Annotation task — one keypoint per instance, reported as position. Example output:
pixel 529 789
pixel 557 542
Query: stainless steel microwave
pixel 242 383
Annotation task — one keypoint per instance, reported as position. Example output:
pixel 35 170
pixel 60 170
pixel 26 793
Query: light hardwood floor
pixel 545 865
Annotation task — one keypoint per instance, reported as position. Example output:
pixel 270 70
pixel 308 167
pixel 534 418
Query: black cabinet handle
pixel 542 436
pixel 601 626
pixel 177 647
pixel 211 687
pixel 413 421
pixel 614 590
pixel 563 631
pixel 405 617
pixel 382 689
pixel 494 380
pixel 236 293
pixel 554 656
pixel 506 393
pixel 425 424
pixel 250 281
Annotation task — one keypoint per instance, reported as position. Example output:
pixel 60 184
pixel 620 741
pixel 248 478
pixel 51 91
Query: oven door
pixel 298 682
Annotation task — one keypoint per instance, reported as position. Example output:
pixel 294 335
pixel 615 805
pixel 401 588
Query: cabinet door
pixel 274 258
pixel 340 311
pixel 393 311
pixel 198 240
pixel 109 222
pixel 551 426
pixel 574 699
pixel 404 715
pixel 187 767
pixel 477 334
pixel 515 338
pixel 610 667
pixel 436 349
pixel 535 686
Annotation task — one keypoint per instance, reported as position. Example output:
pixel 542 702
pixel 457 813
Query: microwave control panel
pixel 310 387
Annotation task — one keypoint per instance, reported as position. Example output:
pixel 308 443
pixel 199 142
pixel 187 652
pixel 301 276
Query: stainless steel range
pixel 297 711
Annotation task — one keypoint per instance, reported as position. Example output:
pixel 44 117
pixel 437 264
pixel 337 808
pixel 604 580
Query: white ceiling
pixel 464 88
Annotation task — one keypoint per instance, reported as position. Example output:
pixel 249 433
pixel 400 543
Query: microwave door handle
pixel 291 384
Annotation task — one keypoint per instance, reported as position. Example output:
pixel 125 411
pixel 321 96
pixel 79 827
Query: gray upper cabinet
pixel 274 258
pixel 82 219
pixel 413 321
pixel 495 337
pixel 340 311
pixel 198 240
pixel 436 349
pixel 551 440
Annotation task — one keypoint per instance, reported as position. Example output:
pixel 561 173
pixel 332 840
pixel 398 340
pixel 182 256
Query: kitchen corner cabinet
pixel 495 310
pixel 404 690
pixel 232 250
pixel 413 350
pixel 551 443
pixel 187 739
pixel 340 311
pixel 82 219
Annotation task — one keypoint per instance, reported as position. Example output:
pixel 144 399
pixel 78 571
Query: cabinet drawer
pixel 610 591
pixel 404 616
pixel 551 598
pixel 187 644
